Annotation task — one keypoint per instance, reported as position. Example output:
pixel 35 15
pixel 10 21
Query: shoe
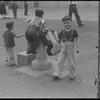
pixel 81 25
pixel 6 60
pixel 28 52
pixel 56 78
pixel 15 17
pixel 72 78
pixel 12 64
pixel 31 52
pixel 34 52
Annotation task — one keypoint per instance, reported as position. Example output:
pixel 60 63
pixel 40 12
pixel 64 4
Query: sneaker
pixel 72 78
pixel 56 78
pixel 6 60
pixel 12 64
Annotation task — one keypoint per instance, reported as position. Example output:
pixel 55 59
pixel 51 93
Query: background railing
pixel 59 4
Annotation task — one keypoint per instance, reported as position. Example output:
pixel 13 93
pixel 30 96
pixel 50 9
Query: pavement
pixel 58 13
pixel 17 84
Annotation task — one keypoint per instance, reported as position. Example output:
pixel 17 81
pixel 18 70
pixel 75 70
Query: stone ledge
pixel 25 59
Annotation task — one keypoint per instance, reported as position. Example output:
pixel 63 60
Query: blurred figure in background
pixel 73 9
pixel 25 8
pixel 3 8
pixel 14 8
pixel 36 4
pixel 7 4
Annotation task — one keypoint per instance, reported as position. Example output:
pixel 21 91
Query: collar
pixel 68 29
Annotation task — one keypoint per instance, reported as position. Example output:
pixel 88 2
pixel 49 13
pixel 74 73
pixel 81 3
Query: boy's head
pixel 67 21
pixel 39 12
pixel 9 25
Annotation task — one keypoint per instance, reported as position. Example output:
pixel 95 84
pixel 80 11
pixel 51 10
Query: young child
pixel 34 31
pixel 69 40
pixel 9 42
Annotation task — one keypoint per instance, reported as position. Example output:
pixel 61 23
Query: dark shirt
pixel 9 39
pixel 68 35
pixel 2 8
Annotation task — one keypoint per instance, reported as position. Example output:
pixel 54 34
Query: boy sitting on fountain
pixel 36 32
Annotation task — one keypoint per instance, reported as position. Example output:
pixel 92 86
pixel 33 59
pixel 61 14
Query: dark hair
pixel 9 25
pixel 66 18
pixel 39 12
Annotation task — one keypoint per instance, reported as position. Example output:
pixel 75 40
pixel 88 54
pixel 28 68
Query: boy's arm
pixel 42 24
pixel 3 35
pixel 18 36
pixel 77 46
pixel 58 39
pixel 28 20
pixel 76 42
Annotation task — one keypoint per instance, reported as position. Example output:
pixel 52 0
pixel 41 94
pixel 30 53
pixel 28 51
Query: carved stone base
pixel 41 64
pixel 42 61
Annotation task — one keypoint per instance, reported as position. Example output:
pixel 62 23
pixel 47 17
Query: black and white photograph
pixel 49 49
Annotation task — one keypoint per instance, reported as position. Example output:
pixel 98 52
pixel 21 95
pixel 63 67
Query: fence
pixel 58 4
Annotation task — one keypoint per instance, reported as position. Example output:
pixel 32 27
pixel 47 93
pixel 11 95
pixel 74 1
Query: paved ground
pixel 15 84
pixel 58 13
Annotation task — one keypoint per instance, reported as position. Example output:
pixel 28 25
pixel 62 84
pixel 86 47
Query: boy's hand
pixel 77 50
pixel 51 29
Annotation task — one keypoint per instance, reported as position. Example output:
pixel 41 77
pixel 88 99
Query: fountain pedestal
pixel 42 62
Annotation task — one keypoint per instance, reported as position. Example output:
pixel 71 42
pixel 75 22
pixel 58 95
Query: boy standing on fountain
pixel 36 32
pixel 33 31
pixel 69 42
